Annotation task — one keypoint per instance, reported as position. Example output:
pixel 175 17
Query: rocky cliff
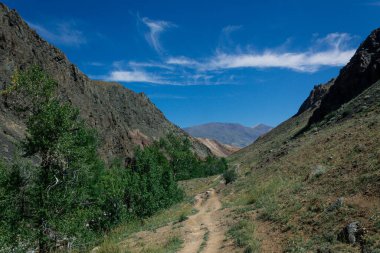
pixel 361 72
pixel 123 118
pixel 314 99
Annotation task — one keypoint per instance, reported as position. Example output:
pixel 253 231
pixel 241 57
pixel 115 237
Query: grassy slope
pixel 275 189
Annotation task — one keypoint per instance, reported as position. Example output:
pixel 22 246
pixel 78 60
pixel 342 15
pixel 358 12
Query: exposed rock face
pixel 315 97
pixel 362 71
pixel 123 118
pixel 218 149
pixel 229 133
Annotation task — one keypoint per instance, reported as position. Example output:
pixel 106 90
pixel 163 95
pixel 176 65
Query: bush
pixel 230 176
pixel 182 218
pixel 184 163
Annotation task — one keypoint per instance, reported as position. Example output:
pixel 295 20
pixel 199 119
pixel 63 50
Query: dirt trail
pixel 203 232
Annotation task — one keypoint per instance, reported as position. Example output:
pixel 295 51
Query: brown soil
pixel 205 221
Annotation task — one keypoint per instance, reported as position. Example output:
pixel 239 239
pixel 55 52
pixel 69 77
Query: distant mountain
pixel 229 133
pixel 218 149
pixel 262 129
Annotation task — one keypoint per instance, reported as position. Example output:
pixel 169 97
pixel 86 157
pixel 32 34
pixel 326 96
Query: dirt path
pixel 202 231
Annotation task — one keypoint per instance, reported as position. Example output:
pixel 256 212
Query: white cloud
pixel 156 28
pixel 331 50
pixel 306 62
pixel 132 76
pixel 171 78
pixel 182 61
pixel 135 64
pixel 62 34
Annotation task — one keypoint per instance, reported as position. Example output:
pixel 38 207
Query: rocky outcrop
pixel 218 149
pixel 352 233
pixel 361 72
pixel 123 118
pixel 315 97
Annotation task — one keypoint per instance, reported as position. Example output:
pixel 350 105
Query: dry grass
pixel 275 177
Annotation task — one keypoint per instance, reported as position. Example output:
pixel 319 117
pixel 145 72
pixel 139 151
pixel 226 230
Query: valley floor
pixel 200 224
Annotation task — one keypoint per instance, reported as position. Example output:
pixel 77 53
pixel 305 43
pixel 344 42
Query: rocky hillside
pixel 314 99
pixel 318 189
pixel 123 118
pixel 218 149
pixel 229 133
pixel 361 72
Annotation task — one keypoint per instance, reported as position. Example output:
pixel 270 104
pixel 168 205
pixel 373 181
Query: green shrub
pixel 182 218
pixel 230 176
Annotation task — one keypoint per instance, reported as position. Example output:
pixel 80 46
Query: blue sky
pixel 246 62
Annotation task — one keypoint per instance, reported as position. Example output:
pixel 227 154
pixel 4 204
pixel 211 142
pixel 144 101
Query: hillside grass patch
pixel 242 234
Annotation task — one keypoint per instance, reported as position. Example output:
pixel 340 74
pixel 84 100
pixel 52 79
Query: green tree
pixel 67 168
pixel 155 185
pixel 184 163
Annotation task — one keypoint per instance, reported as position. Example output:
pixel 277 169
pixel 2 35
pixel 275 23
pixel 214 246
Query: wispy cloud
pixel 376 3
pixel 149 64
pixel 182 61
pixel 132 76
pixel 64 33
pixel 331 50
pixel 304 62
pixel 95 64
pixel 227 30
pixel 226 41
pixel 171 78
pixel 155 29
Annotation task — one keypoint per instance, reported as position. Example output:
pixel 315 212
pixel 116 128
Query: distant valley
pixel 229 133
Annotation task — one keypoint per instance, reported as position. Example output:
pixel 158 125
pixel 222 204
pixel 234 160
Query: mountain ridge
pixel 228 133
pixel 123 119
